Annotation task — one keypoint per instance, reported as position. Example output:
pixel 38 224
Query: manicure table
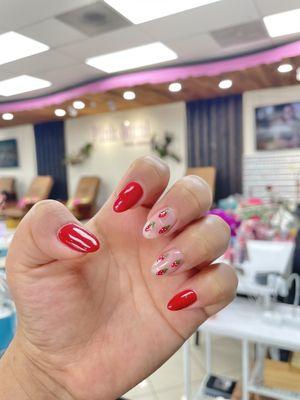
pixel 248 322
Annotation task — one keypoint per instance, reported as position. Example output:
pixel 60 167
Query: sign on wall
pixel 127 133
pixel 9 153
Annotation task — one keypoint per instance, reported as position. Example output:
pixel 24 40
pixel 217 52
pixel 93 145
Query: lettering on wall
pixel 128 132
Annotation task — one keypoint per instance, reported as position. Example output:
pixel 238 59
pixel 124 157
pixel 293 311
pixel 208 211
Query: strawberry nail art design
pixel 167 263
pixel 149 227
pixel 164 229
pixel 162 271
pixel 161 223
pixel 163 214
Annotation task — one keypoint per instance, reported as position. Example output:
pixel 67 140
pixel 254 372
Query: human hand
pixel 92 323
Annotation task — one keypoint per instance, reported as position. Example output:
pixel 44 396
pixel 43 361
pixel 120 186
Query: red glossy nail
pixel 128 197
pixel 77 238
pixel 182 300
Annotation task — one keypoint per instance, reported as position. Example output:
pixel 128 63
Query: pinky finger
pixel 211 289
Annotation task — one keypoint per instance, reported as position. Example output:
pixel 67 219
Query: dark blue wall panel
pixel 215 138
pixel 50 153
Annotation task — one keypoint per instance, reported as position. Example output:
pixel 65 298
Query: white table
pixel 243 320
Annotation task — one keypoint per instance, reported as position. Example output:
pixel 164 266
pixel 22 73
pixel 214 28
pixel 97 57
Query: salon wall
pixel 27 159
pixel 279 168
pixel 117 145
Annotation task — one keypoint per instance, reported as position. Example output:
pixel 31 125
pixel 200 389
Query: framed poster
pixel 278 126
pixel 9 153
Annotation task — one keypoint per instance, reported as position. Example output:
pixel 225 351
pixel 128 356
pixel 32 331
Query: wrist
pixel 10 387
pixel 21 379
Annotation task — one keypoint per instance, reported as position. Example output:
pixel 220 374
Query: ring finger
pixel 198 245
pixel 186 201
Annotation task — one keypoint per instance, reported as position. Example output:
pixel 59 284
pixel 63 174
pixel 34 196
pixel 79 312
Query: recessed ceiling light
pixel 14 46
pixel 285 23
pixel 225 84
pixel 126 123
pixel 59 112
pixel 135 57
pixel 284 68
pixel 22 84
pixel 129 95
pixel 139 11
pixel 7 116
pixel 175 87
pixel 78 105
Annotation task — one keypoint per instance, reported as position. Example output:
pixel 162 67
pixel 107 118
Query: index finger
pixel 142 184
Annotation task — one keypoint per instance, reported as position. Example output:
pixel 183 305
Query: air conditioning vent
pixel 240 34
pixel 94 19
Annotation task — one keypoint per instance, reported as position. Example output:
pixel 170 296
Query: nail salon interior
pixel 212 88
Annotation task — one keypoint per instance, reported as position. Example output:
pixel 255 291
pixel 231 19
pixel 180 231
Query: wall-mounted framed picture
pixel 9 153
pixel 278 126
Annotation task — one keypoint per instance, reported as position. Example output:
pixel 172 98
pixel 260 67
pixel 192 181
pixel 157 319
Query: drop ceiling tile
pixel 5 74
pixel 285 39
pixel 16 14
pixel 52 32
pixel 62 78
pixel 40 62
pixel 71 76
pixel 268 7
pixel 106 43
pixel 195 48
pixel 202 19
pixel 246 48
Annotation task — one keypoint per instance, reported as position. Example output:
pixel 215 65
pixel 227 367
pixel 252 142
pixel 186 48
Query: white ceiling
pixel 187 33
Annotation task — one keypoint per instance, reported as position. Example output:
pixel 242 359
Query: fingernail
pixel 128 197
pixel 77 238
pixel 182 300
pixel 168 262
pixel 160 223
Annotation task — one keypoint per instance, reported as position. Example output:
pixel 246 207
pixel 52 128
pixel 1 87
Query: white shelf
pixel 274 393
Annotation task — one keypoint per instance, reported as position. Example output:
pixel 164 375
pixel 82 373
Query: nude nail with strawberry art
pixel 167 263
pixel 161 223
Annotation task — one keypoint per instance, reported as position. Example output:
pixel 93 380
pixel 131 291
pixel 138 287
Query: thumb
pixel 49 232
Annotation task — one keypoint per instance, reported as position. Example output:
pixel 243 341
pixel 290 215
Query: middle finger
pixel 187 200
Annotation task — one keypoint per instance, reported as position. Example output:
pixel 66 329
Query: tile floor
pixel 167 382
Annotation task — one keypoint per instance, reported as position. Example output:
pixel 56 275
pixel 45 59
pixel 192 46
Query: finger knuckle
pixel 156 166
pixel 197 191
pixel 234 279
pixel 223 283
pixel 230 286
pixel 220 230
pixel 218 289
pixel 46 207
pixel 211 238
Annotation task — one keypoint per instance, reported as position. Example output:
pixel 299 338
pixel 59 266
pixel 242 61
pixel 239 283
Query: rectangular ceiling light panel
pixel 21 84
pixel 135 57
pixel 14 46
pixel 139 11
pixel 282 24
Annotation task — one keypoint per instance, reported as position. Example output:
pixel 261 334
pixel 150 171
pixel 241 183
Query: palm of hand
pixel 94 325
pixel 115 320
